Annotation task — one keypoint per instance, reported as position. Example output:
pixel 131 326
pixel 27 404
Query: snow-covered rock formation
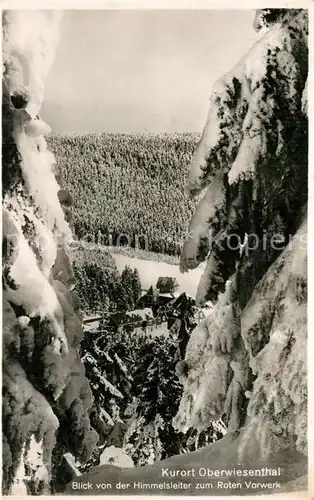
pixel 45 391
pixel 247 359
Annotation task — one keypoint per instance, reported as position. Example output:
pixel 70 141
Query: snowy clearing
pixel 150 271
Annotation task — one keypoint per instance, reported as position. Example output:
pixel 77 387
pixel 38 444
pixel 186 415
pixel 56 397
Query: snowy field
pixel 150 271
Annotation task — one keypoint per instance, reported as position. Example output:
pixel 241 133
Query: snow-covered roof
pixel 142 313
pixel 169 295
pixel 91 326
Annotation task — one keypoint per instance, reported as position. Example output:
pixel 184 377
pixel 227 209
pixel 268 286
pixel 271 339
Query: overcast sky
pixel 136 71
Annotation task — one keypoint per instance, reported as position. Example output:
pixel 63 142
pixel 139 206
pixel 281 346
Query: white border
pixel 154 4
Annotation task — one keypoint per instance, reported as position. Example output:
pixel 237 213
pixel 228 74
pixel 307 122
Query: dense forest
pixel 128 190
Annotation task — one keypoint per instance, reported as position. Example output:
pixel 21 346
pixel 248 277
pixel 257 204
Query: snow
pixel 106 384
pixel 145 313
pixel 23 321
pixel 277 406
pixel 101 379
pixel 36 128
pixel 269 336
pixel 206 279
pixel 89 327
pixel 200 226
pixel 37 170
pixel 106 417
pixel 35 424
pixel 29 44
pixel 218 359
pixel 158 330
pixel 35 226
pixel 150 271
pixel 18 486
pixel 121 365
pixel 240 108
pixel 208 357
pixel 115 456
pixel 107 357
pixel 214 352
pixel 219 456
pixel 34 291
pixel 35 460
pixel 72 464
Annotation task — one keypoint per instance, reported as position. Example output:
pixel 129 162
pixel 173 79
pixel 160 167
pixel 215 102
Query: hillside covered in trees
pixel 128 190
pixel 99 285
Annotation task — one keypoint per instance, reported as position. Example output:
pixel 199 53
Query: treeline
pixel 128 190
pixel 99 285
